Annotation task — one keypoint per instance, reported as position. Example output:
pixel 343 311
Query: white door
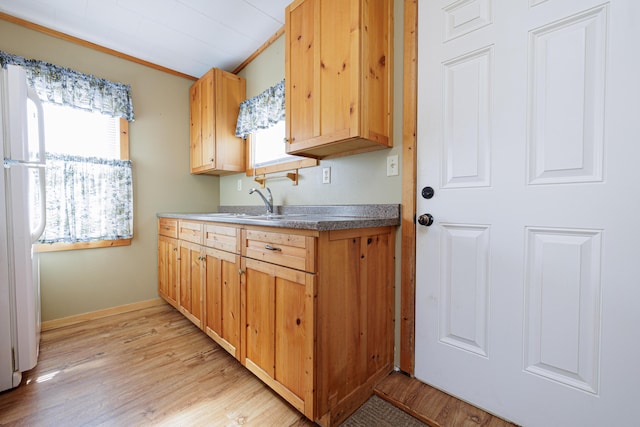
pixel 528 280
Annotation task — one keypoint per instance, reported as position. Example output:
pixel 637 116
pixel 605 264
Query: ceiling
pixel 188 36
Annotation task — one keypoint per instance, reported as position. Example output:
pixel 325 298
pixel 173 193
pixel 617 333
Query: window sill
pixel 56 247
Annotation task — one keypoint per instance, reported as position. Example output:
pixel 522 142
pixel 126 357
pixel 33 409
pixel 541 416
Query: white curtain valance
pixel 262 111
pixel 64 86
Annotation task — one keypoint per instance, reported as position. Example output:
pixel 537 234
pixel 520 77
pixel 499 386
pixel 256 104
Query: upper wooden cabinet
pixel 339 76
pixel 215 101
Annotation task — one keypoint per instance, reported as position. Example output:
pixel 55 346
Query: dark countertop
pixel 321 218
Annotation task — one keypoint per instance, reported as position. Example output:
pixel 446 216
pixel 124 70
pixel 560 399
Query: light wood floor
pixel 140 368
pixel 146 368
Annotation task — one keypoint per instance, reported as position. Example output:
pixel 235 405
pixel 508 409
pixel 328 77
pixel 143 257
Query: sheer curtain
pixel 88 199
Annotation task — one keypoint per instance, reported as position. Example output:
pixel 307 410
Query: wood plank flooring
pixel 140 368
pixel 146 367
pixel 433 406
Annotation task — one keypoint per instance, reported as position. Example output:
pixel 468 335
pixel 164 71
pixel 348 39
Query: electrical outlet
pixel 326 175
pixel 239 186
pixel 392 165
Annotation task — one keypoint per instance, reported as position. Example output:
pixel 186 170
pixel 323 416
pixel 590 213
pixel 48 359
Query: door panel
pixel 566 92
pixel 261 319
pixel 290 323
pixel 191 291
pixel 562 304
pixel 467 112
pixel 222 296
pixel 525 282
pixel 464 317
pixel 231 301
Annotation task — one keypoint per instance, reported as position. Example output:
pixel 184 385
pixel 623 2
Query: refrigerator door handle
pixel 32 95
pixel 35 234
pixel 12 162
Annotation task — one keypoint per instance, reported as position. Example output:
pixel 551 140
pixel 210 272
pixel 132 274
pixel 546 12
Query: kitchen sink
pixel 273 216
pixel 225 214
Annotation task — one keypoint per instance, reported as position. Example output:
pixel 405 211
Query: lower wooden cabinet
pixel 319 307
pixel 308 312
pixel 222 299
pixel 168 269
pixel 279 330
pixel 191 295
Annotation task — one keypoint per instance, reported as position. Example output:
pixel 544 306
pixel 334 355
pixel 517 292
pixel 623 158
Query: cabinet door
pixel 202 124
pixel 191 269
pixel 195 135
pixel 302 71
pixel 229 92
pixel 215 102
pixel 222 299
pixel 168 271
pixel 322 73
pixel 279 330
pixel 338 76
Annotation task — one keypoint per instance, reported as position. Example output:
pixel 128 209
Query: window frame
pixel 62 246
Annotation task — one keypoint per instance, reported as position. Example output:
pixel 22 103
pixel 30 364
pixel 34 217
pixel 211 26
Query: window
pixel 89 200
pixel 262 120
pixel 89 196
pixel 268 146
pixel 69 130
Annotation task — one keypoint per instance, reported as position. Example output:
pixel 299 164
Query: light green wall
pixel 74 282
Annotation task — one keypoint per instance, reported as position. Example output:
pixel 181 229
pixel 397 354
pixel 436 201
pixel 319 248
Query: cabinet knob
pixel 240 271
pixel 272 248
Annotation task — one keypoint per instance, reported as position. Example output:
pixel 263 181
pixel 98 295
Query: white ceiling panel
pixel 189 36
pixel 223 15
pixel 161 12
pixel 271 8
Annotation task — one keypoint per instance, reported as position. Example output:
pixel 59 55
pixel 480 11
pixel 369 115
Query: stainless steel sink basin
pixel 224 214
pixel 251 217
pixel 273 216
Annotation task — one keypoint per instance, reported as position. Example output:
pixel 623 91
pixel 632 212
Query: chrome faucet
pixel 268 201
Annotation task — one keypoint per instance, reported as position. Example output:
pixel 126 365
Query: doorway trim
pixel 409 173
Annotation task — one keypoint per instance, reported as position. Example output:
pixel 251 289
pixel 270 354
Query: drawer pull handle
pixel 272 248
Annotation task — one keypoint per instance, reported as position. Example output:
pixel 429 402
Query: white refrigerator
pixel 22 221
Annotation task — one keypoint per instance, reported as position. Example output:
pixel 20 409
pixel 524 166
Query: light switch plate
pixel 326 175
pixel 392 165
pixel 239 185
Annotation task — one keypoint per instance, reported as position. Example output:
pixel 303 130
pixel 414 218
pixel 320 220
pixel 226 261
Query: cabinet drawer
pixel 190 231
pixel 289 250
pixel 222 237
pixel 168 227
